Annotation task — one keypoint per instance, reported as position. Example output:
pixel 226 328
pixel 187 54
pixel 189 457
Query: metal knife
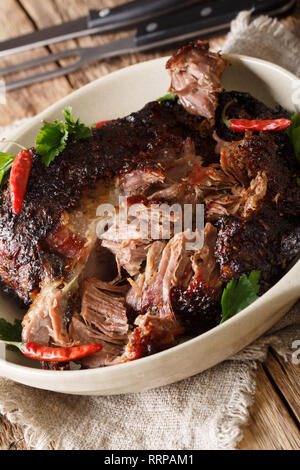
pixel 177 27
pixel 204 20
pixel 98 21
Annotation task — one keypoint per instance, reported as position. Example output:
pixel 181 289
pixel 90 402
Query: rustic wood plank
pixel 51 12
pixel 286 375
pixel 31 100
pixel 54 11
pixel 68 10
pixel 270 425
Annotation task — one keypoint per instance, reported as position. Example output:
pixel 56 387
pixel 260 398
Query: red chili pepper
pixel 46 353
pixel 241 125
pixel 101 123
pixel 19 175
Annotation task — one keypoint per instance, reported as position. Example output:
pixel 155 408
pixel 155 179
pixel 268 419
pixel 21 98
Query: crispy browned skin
pixel 262 240
pixel 245 106
pixel 290 245
pixel 260 153
pixel 135 141
pixel 250 244
pixel 196 78
pixel 197 307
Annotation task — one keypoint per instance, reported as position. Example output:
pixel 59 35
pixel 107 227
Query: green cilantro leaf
pixel 238 294
pixel 52 138
pixel 10 332
pixel 298 181
pixel 167 97
pixel 67 113
pixel 77 129
pixel 51 141
pixel 6 161
pixel 294 134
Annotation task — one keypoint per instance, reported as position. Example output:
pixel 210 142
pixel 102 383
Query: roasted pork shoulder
pixel 196 78
pixel 137 294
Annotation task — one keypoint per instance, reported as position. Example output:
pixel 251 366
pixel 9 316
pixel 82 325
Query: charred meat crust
pixel 290 245
pixel 198 308
pixel 244 245
pixel 136 141
pixel 245 106
pixel 259 153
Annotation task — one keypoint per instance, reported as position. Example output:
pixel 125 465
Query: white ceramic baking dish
pixel 114 96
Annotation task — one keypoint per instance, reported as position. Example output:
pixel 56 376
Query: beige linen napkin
pixel 207 411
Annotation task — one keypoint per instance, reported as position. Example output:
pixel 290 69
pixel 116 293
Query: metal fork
pixel 84 54
pixel 168 29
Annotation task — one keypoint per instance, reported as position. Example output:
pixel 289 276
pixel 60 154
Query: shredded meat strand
pixel 196 78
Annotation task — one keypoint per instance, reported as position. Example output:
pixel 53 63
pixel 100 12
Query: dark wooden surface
pixel 275 417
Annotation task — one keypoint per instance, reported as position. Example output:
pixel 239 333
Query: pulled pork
pixel 103 320
pixel 196 78
pixel 250 197
pixel 158 284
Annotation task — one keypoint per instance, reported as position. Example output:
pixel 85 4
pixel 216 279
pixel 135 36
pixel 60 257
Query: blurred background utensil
pixel 96 22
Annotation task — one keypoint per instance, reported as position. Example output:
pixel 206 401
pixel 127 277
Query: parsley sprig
pixel 75 128
pixel 51 141
pixel 238 294
pixel 52 138
pixel 167 97
pixel 6 161
pixel 10 332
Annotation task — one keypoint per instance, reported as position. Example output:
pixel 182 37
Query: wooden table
pixel 275 417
